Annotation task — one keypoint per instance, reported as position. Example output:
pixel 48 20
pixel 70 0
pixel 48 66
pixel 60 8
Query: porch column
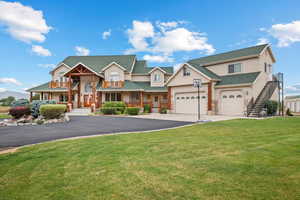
pixel 79 95
pixel 169 98
pixel 209 97
pixel 42 96
pixel 93 105
pixel 142 99
pixel 69 94
pixel 100 99
pixel 30 97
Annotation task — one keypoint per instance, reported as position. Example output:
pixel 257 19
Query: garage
pixel 187 103
pixel 232 103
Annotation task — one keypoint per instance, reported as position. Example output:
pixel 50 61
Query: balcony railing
pixel 57 84
pixel 113 84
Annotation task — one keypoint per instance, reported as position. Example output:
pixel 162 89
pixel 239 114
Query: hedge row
pixel 52 111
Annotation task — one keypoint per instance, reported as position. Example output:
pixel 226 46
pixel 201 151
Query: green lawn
pixel 239 159
pixel 4 116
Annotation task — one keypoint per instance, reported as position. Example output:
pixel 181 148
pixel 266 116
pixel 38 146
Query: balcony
pixel 57 84
pixel 112 84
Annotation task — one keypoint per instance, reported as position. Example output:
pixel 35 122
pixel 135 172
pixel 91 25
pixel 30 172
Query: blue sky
pixel 36 35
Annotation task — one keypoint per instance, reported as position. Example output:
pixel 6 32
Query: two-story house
pixel 89 81
pixel 233 83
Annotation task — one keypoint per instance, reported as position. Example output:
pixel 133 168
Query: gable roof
pixel 227 56
pixel 141 67
pixel 245 78
pixel 97 63
pixel 205 71
pixel 293 97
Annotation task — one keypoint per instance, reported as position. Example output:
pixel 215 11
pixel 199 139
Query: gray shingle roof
pixel 97 63
pixel 293 97
pixel 250 51
pixel 238 79
pixel 141 67
pixel 205 71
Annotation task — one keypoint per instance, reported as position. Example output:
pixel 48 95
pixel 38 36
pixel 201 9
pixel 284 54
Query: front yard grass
pixel 237 159
pixel 4 116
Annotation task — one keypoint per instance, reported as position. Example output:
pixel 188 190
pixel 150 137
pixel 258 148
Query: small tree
pixel 7 101
pixel 271 106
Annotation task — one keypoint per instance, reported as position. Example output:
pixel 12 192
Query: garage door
pixel 187 103
pixel 232 103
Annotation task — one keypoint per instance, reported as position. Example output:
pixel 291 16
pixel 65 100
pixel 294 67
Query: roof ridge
pixel 236 50
pixel 102 55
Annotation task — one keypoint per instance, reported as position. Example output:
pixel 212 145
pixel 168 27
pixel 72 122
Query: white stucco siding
pixel 293 104
pixel 58 72
pixel 161 80
pixel 249 65
pixel 179 79
pixel 114 69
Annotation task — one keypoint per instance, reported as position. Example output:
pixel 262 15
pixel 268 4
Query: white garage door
pixel 232 103
pixel 187 103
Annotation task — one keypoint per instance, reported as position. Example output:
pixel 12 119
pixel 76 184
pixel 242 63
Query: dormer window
pixel 156 77
pixel 234 68
pixel 114 76
pixel 186 72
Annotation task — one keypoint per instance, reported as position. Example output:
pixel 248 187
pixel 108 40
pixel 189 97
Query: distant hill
pixel 17 95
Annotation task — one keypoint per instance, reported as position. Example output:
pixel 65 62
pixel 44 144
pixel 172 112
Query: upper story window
pixel 268 68
pixel 114 76
pixel 156 77
pixel 186 72
pixel 234 68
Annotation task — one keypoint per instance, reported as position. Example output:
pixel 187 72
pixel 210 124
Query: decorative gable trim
pixel 85 67
pixel 157 68
pixel 190 66
pixel 113 63
pixel 58 66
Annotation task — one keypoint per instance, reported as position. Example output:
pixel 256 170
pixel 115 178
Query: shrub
pixel 35 106
pixel 20 102
pixel 117 105
pixel 288 112
pixel 20 111
pixel 163 111
pixel 147 108
pixel 39 122
pixel 109 110
pixel 7 101
pixel 133 111
pixel 271 106
pixel 52 111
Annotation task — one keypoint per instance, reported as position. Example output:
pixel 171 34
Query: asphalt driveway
pixel 14 136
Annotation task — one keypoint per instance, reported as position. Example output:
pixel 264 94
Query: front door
pixel 87 100
pixel 155 104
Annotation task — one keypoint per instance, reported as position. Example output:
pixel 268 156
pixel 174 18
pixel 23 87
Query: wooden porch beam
pixel 209 96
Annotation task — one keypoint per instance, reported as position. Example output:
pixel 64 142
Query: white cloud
pixel 9 81
pixel 138 34
pixel 3 90
pixel 262 41
pixel 82 51
pixel 47 65
pixel 23 22
pixel 165 39
pixel 159 59
pixel 41 51
pixel 286 34
pixel 106 34
pixel 292 89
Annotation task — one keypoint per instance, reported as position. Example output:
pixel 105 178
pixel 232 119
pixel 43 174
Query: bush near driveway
pixel 52 111
pixel 20 111
pixel 133 111
pixel 147 108
pixel 113 107
pixel 109 110
pixel 272 107
pixel 35 106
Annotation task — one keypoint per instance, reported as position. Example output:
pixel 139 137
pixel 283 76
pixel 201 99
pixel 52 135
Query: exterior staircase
pixel 79 112
pixel 254 108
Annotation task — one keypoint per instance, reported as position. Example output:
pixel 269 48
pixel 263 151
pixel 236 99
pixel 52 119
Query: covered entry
pixel 187 103
pixel 232 103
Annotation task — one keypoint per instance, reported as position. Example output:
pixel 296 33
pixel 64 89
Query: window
pixel 203 97
pixel 224 97
pixel 88 87
pixel 270 68
pixel 156 77
pixel 114 76
pixel 186 72
pixel 231 96
pixel 178 98
pixel 192 97
pixel 239 96
pixel 113 97
pixel 266 68
pixel 134 97
pixel 63 98
pixel 234 68
pixel 187 97
pixel 182 97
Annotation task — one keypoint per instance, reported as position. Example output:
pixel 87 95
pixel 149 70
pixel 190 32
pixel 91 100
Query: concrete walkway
pixel 185 117
pixel 80 112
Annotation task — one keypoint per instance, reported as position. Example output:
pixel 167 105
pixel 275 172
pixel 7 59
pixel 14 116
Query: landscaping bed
pixel 236 159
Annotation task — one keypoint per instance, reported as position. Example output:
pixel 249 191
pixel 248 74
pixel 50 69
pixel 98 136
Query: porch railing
pixel 113 84
pixel 57 84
